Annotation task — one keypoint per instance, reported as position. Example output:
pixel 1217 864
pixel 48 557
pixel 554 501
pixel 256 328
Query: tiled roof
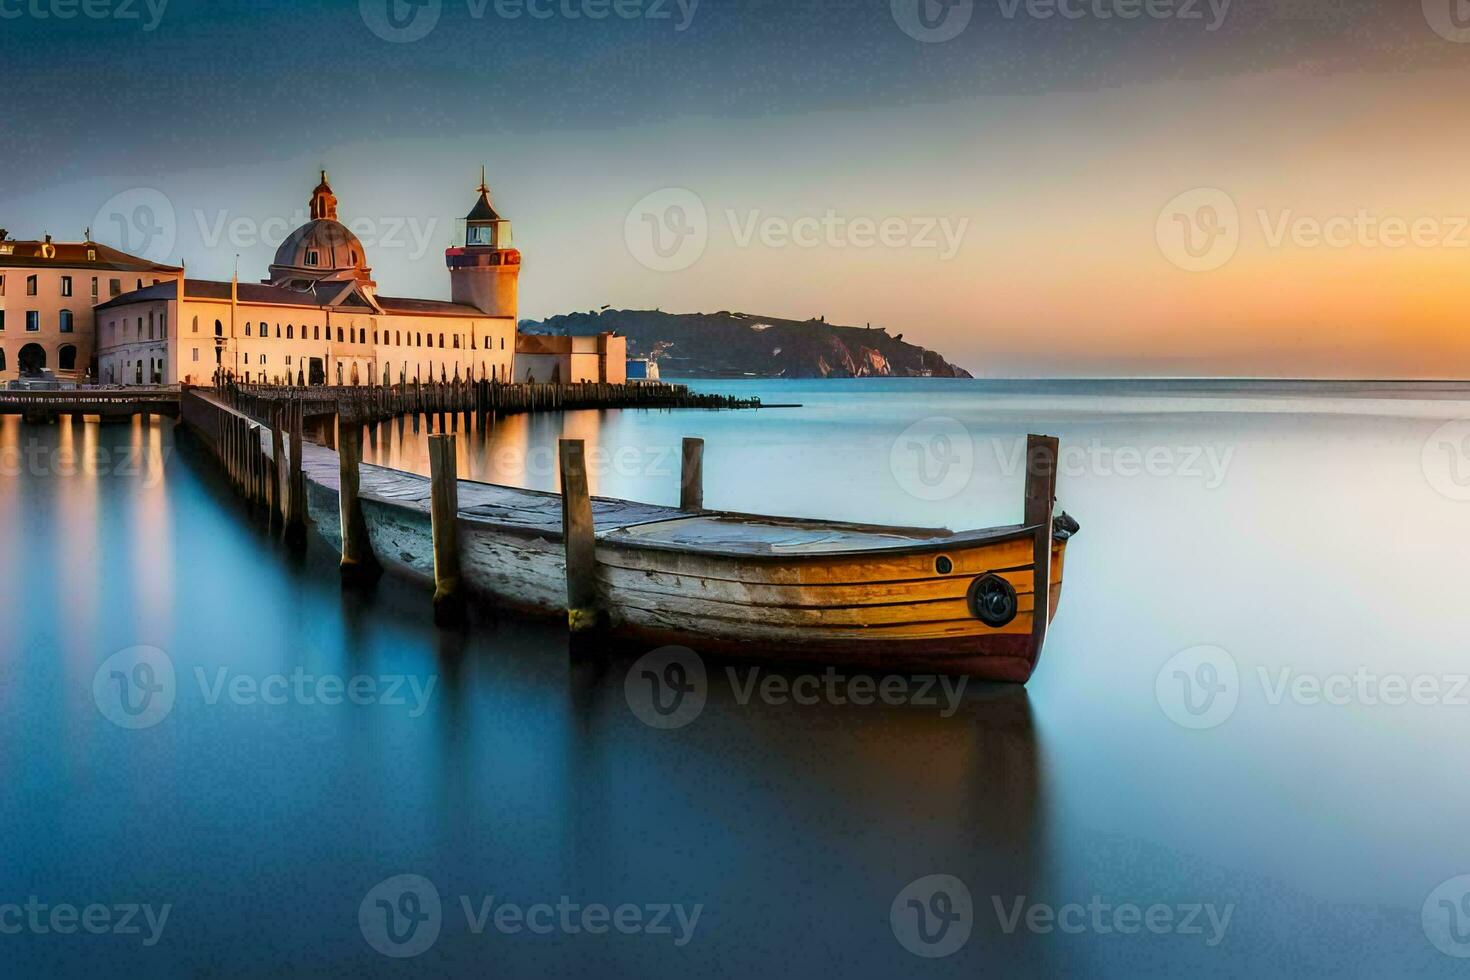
pixel 265 294
pixel 73 255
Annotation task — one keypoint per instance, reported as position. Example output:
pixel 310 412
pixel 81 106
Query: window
pixel 33 321
pixel 94 287
pixel 114 287
pixel 375 336
pixel 196 353
pixel 316 331
pixel 2 285
pixel 247 357
pixel 66 322
pixel 2 321
pixel 441 342
pixel 66 285
pixel 30 285
pixel 196 324
pixel 288 360
pixel 262 358
pixel 219 329
pixel 2 359
pixel 289 329
pixel 140 284
pixel 456 341
pixel 68 357
pixel 339 335
pixel 311 257
pixel 278 331
pixel 163 323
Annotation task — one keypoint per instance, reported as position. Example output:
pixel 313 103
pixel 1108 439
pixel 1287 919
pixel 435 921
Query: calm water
pixel 1299 538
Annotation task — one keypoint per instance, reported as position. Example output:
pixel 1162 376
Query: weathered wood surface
pixel 848 592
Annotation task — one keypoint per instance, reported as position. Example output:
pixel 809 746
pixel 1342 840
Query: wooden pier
pixel 872 596
pixel 40 406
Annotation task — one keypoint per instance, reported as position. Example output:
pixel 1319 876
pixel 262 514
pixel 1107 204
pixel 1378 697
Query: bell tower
pixel 483 272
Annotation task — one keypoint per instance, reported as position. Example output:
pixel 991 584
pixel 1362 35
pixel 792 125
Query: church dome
pixel 323 249
pixel 322 245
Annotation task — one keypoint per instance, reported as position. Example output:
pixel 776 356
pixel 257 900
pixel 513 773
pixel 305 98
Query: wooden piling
pixel 578 537
pixel 278 470
pixel 358 560
pixel 1041 486
pixel 691 476
pixel 444 517
pixel 296 479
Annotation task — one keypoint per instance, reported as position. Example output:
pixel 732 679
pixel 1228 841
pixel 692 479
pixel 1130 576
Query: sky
pixel 1030 187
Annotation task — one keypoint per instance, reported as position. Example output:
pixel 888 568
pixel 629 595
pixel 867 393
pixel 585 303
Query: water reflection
pixel 524 773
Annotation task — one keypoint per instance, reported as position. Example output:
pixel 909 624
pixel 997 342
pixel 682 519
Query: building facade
pixel 48 294
pixel 545 358
pixel 319 319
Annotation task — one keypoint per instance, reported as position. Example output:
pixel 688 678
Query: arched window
pixel 418 340
pixel 247 328
pixel 66 322
pixel 196 324
pixel 441 341
pixel 289 333
pixel 339 335
pixel 219 329
pixel 456 341
pixel 316 331
pixel 2 358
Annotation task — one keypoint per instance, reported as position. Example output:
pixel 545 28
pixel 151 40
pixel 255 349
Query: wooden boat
pixel 894 599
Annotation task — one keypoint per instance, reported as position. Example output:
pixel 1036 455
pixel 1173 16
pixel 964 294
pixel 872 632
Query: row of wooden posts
pixel 478 398
pixel 262 481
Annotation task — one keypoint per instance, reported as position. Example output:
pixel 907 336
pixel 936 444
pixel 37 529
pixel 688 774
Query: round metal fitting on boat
pixel 943 565
pixel 993 600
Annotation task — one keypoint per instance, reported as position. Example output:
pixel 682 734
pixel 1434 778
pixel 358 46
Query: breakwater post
pixel 444 520
pixel 691 475
pixel 358 561
pixel 578 537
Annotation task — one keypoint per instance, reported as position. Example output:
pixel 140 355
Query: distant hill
pixel 725 344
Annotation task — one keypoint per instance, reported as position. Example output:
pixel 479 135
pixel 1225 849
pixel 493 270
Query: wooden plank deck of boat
pixel 634 524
